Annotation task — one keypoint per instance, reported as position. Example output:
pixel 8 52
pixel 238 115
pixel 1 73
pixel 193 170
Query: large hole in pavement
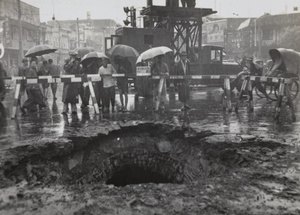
pixel 140 167
pixel 147 153
pixel 211 172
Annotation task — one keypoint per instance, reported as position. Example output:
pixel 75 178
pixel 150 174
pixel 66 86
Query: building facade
pixel 10 10
pixel 272 32
pixel 89 33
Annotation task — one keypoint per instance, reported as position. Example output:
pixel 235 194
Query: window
pixel 267 34
pixel 215 55
pixel 148 39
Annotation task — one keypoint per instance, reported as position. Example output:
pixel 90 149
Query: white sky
pixel 113 9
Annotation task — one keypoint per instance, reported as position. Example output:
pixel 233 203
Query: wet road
pixel 206 114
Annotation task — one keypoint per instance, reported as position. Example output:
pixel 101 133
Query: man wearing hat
pixel 22 72
pixel 70 90
pixel 249 68
pixel 181 68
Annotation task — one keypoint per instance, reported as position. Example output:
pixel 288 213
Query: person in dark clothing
pixel 91 68
pixel 34 93
pixel 2 83
pixel 188 3
pixel 43 71
pixel 249 68
pixel 53 71
pixel 22 72
pixel 181 68
pixel 70 90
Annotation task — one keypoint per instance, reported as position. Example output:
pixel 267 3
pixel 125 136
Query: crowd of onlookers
pixel 105 90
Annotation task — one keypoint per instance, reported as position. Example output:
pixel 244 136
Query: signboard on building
pixel 215 32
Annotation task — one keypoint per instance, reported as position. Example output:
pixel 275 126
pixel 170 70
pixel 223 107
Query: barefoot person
pixel 124 67
pixel 109 84
pixel 160 68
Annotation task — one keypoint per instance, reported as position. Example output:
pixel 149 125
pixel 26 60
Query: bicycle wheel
pixel 294 86
pixel 267 88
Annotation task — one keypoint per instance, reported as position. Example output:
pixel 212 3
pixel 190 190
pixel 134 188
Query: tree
pixel 291 38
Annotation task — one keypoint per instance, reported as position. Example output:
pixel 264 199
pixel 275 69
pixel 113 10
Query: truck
pixel 181 31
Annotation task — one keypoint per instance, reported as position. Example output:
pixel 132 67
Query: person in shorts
pixel 124 67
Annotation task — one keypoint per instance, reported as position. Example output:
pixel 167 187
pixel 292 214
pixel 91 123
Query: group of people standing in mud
pixel 104 90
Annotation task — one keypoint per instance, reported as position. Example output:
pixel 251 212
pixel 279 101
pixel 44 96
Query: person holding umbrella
pixel 70 90
pixel 125 52
pixel 160 68
pixel 109 83
pixel 44 71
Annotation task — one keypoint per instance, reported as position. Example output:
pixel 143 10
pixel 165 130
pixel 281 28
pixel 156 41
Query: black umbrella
pixel 39 50
pixel 123 51
pixel 83 51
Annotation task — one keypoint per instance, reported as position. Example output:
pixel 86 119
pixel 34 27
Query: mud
pixel 164 169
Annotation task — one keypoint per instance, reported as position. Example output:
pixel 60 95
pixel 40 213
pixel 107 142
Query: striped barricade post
pixel 160 87
pixel 280 97
pixel 289 98
pixel 249 88
pixel 227 95
pixel 16 99
pixel 93 96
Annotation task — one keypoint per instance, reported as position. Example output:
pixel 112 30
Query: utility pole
pixel 20 32
pixel 78 43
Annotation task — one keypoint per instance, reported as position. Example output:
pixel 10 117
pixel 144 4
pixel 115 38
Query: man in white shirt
pixel 109 84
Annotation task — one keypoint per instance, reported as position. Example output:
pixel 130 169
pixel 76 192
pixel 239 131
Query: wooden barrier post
pixel 93 96
pixel 160 87
pixel 16 99
pixel 244 85
pixel 249 88
pixel 290 101
pixel 280 97
pixel 227 95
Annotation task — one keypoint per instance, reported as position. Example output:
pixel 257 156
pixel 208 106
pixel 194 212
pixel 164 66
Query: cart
pixel 286 64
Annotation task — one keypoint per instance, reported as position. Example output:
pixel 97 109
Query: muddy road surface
pixel 207 161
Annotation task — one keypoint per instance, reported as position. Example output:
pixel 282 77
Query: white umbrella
pixel 153 52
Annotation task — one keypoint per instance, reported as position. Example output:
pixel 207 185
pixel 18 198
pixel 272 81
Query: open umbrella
pixel 83 51
pixel 153 52
pixel 123 51
pixel 93 55
pixel 39 50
